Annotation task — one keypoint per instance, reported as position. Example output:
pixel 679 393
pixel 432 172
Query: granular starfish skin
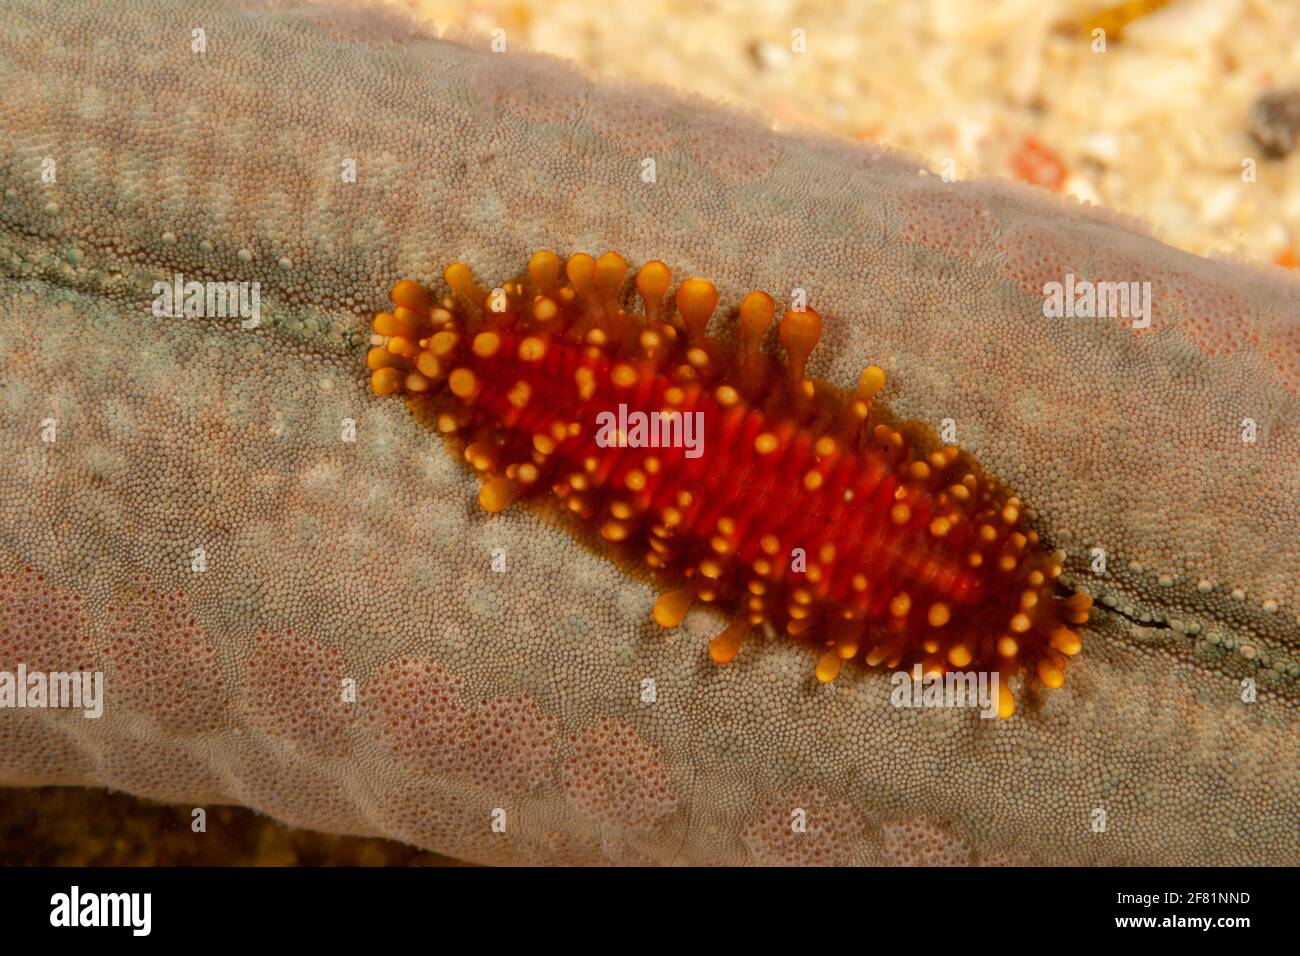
pixel 504 672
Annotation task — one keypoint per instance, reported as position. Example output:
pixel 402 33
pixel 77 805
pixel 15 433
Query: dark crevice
pixel 1063 592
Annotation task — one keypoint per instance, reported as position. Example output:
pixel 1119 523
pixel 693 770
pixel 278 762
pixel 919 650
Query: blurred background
pixel 1158 125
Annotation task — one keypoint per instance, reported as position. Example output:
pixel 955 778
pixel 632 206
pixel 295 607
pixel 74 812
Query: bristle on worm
pixel 737 480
